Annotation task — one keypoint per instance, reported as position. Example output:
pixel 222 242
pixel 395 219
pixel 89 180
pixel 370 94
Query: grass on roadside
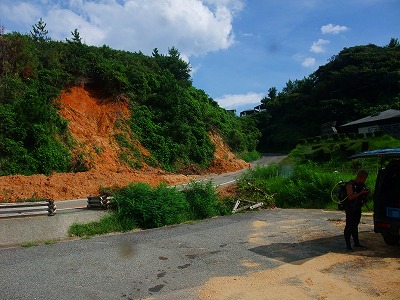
pixel 34 244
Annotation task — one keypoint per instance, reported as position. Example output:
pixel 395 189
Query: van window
pixel 390 194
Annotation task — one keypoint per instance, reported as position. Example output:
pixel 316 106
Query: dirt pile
pixel 92 125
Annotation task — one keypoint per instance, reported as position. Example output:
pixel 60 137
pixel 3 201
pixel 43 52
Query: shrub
pixel 141 205
pixel 250 156
pixel 321 154
pixel 202 199
pixel 364 146
pixel 303 186
pixel 360 135
pixel 352 135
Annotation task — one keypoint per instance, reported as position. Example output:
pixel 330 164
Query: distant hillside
pixel 358 82
pixel 171 119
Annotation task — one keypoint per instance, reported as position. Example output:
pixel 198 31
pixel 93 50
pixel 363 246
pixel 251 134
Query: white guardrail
pixel 22 209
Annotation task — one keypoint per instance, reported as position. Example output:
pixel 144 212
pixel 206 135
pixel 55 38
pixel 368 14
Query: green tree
pixel 39 32
pixel 393 43
pixel 76 37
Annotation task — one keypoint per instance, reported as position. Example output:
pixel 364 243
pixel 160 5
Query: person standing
pixel 356 196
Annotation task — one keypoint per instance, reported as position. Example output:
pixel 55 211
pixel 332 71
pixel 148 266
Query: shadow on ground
pixel 298 253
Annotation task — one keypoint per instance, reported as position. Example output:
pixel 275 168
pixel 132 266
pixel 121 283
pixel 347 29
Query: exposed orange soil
pixel 92 126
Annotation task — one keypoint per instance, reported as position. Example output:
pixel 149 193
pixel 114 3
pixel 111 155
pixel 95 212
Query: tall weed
pixel 202 199
pixel 302 186
pixel 141 205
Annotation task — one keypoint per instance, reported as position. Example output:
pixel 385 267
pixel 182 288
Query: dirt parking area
pixel 309 273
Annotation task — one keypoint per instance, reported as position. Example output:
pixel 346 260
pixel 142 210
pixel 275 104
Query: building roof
pixel 387 114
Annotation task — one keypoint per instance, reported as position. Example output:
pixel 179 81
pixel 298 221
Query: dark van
pixel 387 194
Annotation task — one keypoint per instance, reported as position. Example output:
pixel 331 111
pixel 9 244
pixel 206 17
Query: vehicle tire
pixel 390 239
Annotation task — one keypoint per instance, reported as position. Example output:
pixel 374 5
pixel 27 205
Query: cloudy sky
pixel 238 49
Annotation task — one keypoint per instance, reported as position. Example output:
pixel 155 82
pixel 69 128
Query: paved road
pixel 42 228
pixel 222 179
pixel 173 262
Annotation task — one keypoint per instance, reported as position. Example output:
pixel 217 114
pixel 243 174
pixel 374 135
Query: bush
pixel 360 135
pixel 202 199
pixel 250 156
pixel 253 185
pixel 321 154
pixel 303 186
pixel 352 135
pixel 141 205
pixel 364 146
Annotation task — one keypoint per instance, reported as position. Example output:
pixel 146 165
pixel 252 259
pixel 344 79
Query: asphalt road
pixel 15 231
pixel 218 180
pixel 173 262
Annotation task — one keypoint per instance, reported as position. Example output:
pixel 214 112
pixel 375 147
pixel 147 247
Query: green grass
pixel 34 244
pixel 306 178
pixel 106 224
pixel 29 244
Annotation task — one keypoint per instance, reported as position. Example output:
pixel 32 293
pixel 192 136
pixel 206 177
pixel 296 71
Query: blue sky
pixel 238 49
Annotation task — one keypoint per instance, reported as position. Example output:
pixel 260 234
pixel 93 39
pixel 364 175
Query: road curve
pixel 16 231
pixel 218 180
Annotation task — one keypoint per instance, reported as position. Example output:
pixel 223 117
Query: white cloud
pixel 333 29
pixel 318 46
pixel 233 101
pixel 195 27
pixel 61 23
pixel 308 62
pixel 22 12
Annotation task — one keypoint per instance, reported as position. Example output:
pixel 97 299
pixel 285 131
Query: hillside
pixel 357 82
pixel 92 124
pixel 69 107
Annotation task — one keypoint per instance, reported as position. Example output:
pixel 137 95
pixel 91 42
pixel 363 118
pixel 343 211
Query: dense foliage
pixel 142 206
pixel 202 199
pixel 358 82
pixel 169 116
pixel 306 178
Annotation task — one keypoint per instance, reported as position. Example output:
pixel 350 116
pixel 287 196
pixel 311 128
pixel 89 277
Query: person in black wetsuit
pixel 356 196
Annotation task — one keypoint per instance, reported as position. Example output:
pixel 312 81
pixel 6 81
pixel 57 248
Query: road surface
pixel 269 254
pixel 42 228
pixel 221 179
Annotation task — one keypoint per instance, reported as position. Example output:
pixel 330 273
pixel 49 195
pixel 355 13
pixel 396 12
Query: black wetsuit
pixel 353 215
